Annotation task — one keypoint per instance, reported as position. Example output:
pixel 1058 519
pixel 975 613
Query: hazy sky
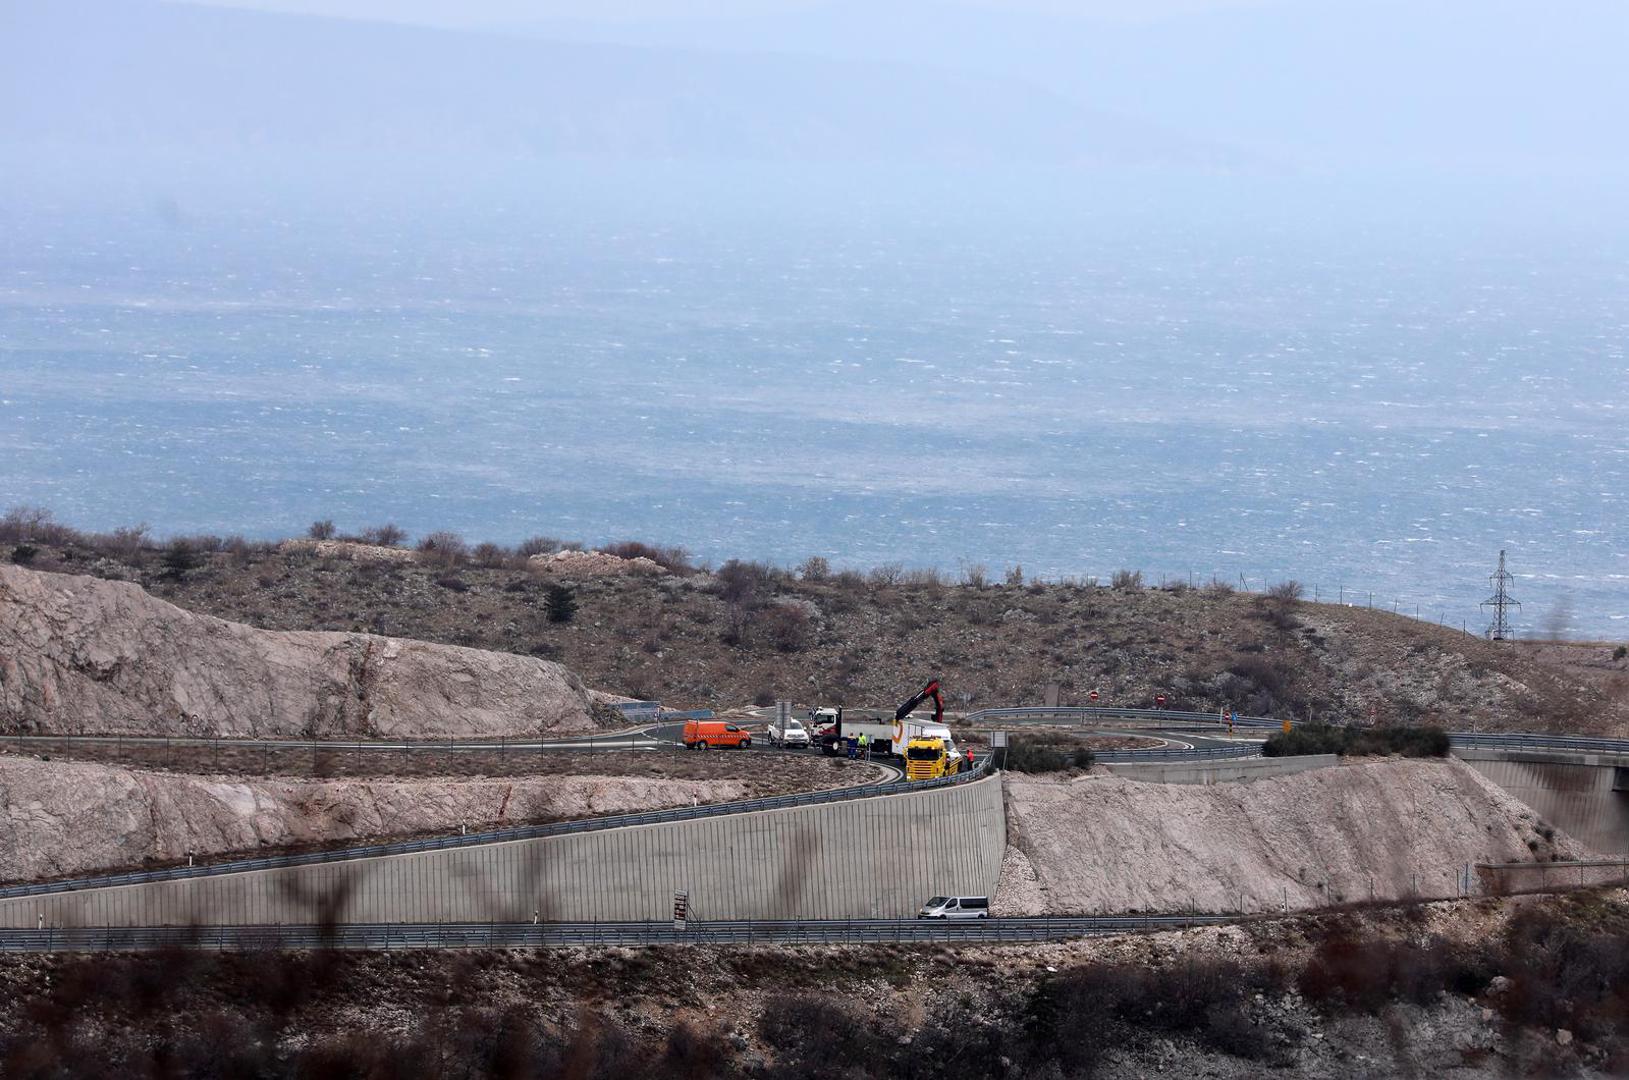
pixel 489 12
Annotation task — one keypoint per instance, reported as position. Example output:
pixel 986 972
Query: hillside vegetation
pixel 748 632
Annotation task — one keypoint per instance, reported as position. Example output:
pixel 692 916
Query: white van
pixel 956 907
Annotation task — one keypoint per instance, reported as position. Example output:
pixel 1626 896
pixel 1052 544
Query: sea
pixel 1370 391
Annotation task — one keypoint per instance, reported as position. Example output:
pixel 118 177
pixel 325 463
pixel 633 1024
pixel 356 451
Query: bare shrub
pixel 443 549
pixel 974 575
pixel 673 559
pixel 815 568
pixel 789 628
pixel 829 1038
pixel 1286 592
pixel 126 542
pixel 321 530
pixel 34 524
pixel 490 555
pixel 1015 577
pixel 740 582
pixel 1126 579
pixel 206 543
pixel 538 545
pixel 849 580
pixel 1277 613
pixel 386 535
pixel 886 574
pixel 1260 673
pixel 695 1054
pixel 927 577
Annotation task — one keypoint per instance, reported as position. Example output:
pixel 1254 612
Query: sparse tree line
pixel 31 528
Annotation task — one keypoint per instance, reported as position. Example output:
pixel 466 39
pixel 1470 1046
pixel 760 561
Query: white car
pixel 793 734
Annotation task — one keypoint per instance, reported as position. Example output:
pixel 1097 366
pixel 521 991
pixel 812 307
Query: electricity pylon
pixel 1501 602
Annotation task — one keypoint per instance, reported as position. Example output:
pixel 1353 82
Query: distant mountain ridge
pixel 1333 83
pixel 139 73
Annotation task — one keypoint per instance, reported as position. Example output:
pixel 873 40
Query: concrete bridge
pixel 1585 793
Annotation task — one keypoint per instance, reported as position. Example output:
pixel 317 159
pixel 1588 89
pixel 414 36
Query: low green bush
pixel 1026 756
pixel 1358 742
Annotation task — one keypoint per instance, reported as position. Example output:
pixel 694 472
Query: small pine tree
pixel 560 603
pixel 180 557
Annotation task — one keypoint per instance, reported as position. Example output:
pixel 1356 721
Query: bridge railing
pixel 1516 740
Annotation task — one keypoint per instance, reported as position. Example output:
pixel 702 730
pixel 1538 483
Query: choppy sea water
pixel 1375 415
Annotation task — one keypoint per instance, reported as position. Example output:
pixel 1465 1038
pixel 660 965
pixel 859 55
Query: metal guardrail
pixel 1105 712
pixel 376 936
pixel 1085 714
pixel 1534 741
pixel 496 836
pixel 1206 753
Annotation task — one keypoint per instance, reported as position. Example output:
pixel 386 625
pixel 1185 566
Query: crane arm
pixel 929 691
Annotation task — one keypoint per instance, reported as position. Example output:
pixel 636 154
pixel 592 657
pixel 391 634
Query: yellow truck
pixel 929 759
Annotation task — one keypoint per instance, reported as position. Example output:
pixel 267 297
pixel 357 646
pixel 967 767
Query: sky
pixel 483 13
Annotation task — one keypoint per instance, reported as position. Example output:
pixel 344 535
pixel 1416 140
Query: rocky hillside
pixel 1384 830
pixel 748 632
pixel 62 818
pixel 81 654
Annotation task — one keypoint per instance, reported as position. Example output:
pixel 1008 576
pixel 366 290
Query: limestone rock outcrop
pixel 591 564
pixel 60 818
pixel 1385 830
pixel 81 655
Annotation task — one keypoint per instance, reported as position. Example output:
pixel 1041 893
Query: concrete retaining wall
pixel 879 857
pixel 1573 792
pixel 1223 771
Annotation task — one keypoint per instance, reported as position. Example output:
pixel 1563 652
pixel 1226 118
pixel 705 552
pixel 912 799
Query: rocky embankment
pixel 86 655
pixel 60 818
pixel 1378 830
